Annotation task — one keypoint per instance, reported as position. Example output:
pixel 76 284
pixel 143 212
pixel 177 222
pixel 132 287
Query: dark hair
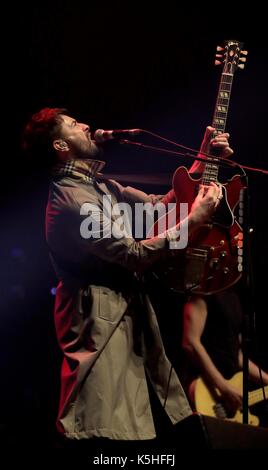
pixel 39 134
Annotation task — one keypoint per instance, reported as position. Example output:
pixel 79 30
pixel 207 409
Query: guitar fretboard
pixel 219 122
pixel 257 395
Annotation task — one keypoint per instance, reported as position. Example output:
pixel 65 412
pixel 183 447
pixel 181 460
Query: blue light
pixel 53 290
pixel 17 252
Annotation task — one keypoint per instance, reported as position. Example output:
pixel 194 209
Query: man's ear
pixel 60 145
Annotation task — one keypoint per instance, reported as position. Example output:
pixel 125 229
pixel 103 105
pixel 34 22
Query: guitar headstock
pixel 231 55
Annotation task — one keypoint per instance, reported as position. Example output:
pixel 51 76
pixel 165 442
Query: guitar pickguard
pixel 223 216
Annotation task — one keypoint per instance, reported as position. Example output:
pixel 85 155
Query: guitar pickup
pixel 195 263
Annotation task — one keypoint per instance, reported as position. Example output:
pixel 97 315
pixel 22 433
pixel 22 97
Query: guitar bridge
pixel 195 262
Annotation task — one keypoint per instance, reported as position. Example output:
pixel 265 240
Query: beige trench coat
pixel 106 328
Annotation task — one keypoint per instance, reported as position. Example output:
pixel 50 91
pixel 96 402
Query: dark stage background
pixel 114 65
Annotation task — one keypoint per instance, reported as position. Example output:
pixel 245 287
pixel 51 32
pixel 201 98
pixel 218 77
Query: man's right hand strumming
pixel 205 203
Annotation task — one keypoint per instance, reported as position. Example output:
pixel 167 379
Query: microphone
pixel 100 135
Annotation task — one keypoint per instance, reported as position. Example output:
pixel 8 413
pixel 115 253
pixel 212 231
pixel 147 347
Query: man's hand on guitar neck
pixel 220 141
pixel 209 143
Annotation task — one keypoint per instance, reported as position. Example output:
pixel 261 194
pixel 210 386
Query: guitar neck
pixel 222 103
pixel 211 170
pixel 257 395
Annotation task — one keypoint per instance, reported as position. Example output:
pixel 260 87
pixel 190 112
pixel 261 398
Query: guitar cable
pixel 209 157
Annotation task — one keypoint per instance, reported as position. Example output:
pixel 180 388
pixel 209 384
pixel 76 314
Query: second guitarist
pixel 212 350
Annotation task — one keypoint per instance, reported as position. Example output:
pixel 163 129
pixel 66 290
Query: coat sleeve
pixel 78 228
pixel 132 195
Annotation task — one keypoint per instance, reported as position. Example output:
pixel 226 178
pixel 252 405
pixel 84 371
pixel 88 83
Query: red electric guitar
pixel 212 260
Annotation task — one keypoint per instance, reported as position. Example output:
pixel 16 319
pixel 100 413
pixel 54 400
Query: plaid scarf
pixel 86 169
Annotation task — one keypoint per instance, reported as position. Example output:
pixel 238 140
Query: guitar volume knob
pixel 214 263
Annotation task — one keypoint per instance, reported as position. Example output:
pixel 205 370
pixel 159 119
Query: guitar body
pixel 210 263
pixel 212 252
pixel 209 402
pixel 186 189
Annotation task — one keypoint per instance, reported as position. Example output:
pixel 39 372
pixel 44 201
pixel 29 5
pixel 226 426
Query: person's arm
pixel 194 320
pixel 81 212
pixel 139 255
pixel 208 144
pixel 253 369
pixel 134 195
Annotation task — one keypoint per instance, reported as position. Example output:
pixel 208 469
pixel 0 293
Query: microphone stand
pixel 206 157
pixel 248 306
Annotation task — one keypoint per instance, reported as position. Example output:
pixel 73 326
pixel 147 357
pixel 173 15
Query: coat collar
pixel 85 169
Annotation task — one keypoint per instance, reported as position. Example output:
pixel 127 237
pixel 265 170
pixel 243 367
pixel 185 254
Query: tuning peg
pixel 242 59
pixel 217 62
pixel 241 66
pixel 219 55
pixel 244 52
pixel 219 48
